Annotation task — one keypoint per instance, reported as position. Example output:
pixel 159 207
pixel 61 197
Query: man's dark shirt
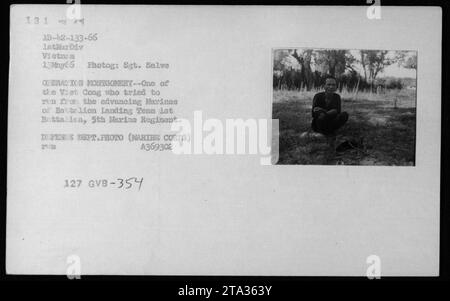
pixel 319 100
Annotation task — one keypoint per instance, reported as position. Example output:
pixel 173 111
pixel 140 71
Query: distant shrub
pixel 394 83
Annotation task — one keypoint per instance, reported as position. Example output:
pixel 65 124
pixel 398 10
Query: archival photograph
pixel 345 106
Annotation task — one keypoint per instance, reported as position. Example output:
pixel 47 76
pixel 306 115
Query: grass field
pixel 386 122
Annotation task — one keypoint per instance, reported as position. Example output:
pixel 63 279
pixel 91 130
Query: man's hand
pixel 332 113
pixel 319 109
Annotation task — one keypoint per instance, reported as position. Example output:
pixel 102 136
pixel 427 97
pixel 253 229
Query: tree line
pixel 296 69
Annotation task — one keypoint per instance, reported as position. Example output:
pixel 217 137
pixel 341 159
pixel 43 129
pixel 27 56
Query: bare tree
pixel 373 62
pixel 333 62
pixel 406 59
pixel 304 59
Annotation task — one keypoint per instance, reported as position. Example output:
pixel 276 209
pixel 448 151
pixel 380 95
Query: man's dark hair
pixel 330 77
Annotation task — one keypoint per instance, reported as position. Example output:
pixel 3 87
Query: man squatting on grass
pixel 326 110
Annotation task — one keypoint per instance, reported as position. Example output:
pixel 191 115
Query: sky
pixel 396 71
